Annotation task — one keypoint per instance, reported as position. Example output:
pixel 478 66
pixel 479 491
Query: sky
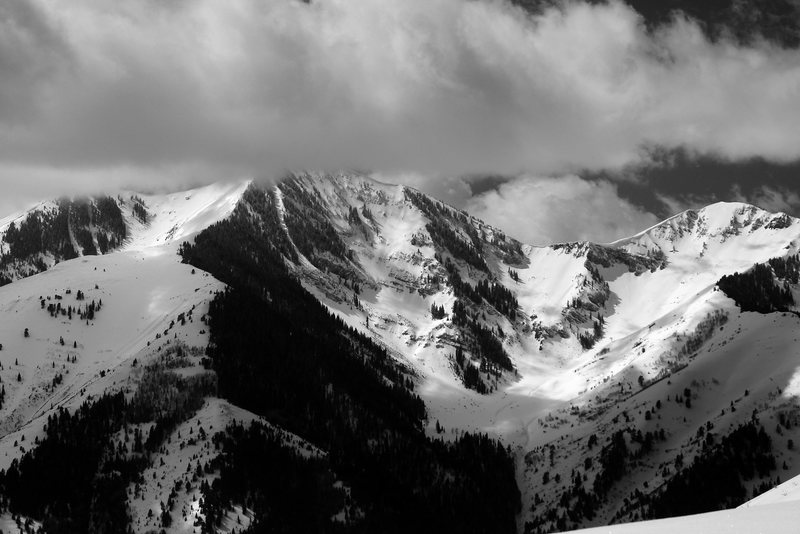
pixel 579 122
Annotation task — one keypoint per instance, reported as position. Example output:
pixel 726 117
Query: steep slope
pixel 176 217
pixel 51 232
pixel 138 292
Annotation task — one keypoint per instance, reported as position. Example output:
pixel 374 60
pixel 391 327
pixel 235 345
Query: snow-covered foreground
pixel 767 519
pixel 776 511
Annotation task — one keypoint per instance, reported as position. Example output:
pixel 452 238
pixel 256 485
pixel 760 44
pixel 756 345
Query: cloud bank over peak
pixel 93 92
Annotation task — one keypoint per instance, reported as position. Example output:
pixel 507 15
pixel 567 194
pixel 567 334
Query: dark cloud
pixel 32 53
pixel 677 178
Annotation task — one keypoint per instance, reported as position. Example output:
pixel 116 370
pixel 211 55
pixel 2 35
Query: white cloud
pixel 438 87
pixel 551 210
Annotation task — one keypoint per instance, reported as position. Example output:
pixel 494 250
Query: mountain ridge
pixel 540 347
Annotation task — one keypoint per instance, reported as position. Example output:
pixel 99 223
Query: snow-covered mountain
pixel 603 339
pixel 614 372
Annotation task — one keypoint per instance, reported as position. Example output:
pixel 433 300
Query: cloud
pixel 774 199
pixel 770 197
pixel 203 88
pixel 22 187
pixel 551 210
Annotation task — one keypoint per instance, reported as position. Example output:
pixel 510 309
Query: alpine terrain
pixel 330 353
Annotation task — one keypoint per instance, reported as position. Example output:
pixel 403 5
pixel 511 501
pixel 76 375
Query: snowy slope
pixel 787 493
pixel 767 519
pixel 175 217
pixel 775 511
pixel 144 288
pixel 141 295
pixel 672 328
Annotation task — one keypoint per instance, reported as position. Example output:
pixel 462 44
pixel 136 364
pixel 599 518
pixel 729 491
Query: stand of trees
pixel 76 478
pixel 765 287
pixel 289 492
pixel 444 236
pixel 64 482
pixel 312 232
pixel 588 339
pixel 494 293
pixel 47 232
pixel 482 340
pixel 139 210
pixel 447 239
pixel 714 480
pixel 437 312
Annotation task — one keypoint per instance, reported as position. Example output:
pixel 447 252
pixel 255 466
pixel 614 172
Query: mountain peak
pixel 695 230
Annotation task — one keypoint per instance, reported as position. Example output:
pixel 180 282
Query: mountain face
pixel 406 365
pixel 62 230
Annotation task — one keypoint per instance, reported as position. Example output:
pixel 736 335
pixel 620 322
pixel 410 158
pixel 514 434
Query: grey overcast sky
pixel 588 122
